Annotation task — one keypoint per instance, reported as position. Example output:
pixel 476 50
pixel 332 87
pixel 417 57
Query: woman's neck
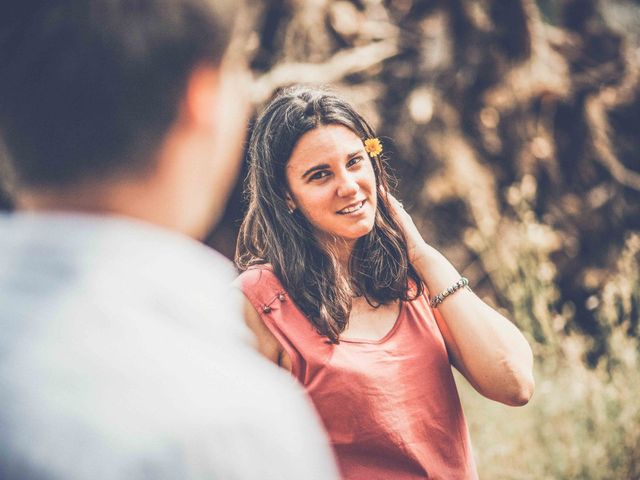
pixel 342 250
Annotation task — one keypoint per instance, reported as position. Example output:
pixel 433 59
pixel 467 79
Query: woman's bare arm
pixel 483 345
pixel 266 343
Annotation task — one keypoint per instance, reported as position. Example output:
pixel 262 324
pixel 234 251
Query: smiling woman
pixel 337 278
pixel 332 181
pixel 309 175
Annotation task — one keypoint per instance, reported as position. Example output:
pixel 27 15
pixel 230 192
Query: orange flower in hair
pixel 373 147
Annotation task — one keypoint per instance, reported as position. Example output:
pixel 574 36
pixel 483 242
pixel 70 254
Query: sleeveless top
pixel 390 406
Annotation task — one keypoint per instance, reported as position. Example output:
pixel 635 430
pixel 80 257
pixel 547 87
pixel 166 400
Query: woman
pixel 338 280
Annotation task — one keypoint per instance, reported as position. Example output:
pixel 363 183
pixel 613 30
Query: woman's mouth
pixel 352 208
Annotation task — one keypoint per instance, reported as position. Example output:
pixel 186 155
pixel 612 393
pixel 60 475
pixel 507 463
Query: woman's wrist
pixel 425 254
pixel 434 268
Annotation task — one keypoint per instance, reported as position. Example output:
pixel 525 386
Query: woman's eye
pixel 319 175
pixel 354 161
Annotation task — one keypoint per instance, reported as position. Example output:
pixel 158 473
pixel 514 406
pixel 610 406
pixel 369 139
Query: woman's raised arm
pixel 487 348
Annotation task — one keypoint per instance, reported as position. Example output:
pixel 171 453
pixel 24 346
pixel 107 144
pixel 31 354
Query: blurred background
pixel 513 129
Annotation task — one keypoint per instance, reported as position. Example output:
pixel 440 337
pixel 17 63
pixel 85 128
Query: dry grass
pixel 582 422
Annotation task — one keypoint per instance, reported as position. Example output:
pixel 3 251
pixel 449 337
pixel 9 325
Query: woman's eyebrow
pixel 315 168
pixel 324 166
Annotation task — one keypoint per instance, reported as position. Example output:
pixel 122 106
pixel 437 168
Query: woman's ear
pixel 290 203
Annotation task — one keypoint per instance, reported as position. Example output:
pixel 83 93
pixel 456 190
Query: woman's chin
pixel 357 233
pixel 350 236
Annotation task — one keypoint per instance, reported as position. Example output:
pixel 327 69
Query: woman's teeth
pixel 351 209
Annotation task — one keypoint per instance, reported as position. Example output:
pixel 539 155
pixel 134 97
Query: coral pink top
pixel 390 406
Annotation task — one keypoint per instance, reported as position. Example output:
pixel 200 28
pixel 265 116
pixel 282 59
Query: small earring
pixel 290 210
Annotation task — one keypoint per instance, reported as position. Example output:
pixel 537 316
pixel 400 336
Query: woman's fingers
pixel 397 204
pixel 391 198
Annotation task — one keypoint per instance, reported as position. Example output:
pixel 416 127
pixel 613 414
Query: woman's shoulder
pixel 259 277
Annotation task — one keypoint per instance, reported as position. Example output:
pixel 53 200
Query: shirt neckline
pixel 386 336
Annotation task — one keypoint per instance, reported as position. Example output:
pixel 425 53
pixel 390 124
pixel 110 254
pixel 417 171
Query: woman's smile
pixel 332 182
pixel 353 209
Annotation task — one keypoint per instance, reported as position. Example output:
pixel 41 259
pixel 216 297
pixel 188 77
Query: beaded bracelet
pixel 438 299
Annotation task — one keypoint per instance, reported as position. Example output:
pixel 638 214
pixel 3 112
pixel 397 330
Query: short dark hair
pixel 89 88
pixel 379 266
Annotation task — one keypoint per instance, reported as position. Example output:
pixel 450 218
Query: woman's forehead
pixel 325 143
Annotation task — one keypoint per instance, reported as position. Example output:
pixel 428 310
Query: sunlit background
pixel 513 128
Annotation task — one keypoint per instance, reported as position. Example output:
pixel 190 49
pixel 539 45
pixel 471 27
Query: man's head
pixel 101 95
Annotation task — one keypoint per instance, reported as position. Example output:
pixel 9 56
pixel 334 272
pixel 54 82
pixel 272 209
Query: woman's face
pixel 332 182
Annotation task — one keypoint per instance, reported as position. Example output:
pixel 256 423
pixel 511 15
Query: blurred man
pixel 122 352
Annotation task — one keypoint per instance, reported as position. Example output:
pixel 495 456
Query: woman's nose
pixel 348 186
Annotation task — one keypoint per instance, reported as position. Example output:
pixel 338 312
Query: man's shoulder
pixel 127 363
pixel 139 393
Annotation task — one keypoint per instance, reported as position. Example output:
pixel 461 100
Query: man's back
pixel 122 355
